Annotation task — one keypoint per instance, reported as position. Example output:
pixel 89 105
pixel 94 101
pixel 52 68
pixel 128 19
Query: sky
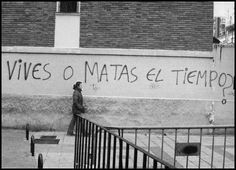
pixel 221 8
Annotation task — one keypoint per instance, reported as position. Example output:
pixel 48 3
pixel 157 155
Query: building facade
pixel 223 29
pixel 132 25
pixel 141 63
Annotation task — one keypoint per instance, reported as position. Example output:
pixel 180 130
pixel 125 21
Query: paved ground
pixel 16 150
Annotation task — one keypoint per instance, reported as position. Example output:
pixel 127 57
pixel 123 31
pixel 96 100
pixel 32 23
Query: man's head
pixel 77 85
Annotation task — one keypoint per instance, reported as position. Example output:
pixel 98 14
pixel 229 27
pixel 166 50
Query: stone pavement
pixel 61 155
pixel 193 161
pixel 15 150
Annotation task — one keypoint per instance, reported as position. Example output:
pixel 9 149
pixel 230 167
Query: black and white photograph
pixel 118 84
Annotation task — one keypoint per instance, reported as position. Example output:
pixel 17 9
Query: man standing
pixel 77 107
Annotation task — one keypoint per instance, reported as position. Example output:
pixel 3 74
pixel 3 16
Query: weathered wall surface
pixel 54 113
pixel 119 89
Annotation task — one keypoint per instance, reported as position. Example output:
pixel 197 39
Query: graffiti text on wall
pixel 119 72
pixel 116 72
pixel 26 70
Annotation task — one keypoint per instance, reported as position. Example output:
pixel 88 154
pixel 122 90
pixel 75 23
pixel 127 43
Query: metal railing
pixel 97 147
pixel 187 146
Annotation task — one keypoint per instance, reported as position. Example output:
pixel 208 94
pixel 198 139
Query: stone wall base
pixel 54 113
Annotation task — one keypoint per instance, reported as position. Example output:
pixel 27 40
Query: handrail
pixel 131 144
pixel 161 127
pixel 169 127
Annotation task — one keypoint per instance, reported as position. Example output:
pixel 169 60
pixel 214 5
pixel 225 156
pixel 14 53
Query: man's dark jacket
pixel 77 107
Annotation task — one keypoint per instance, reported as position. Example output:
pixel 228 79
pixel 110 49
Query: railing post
pixel 135 158
pixel 80 141
pixel 104 149
pixel 224 150
pixel 120 154
pixel 114 152
pixel 27 131
pixel 154 164
pixel 82 145
pixel 76 148
pixel 92 146
pixel 40 161
pixel 127 156
pixel 144 161
pixel 32 145
pixel 99 147
pixel 86 143
pixel 95 147
pixel 89 143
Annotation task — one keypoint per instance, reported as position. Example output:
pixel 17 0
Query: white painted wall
pixel 47 74
pixel 67 29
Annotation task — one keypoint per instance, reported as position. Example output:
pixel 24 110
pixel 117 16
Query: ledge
pixel 67 14
pixel 108 51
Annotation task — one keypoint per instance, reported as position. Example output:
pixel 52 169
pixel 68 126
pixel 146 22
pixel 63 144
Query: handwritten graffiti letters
pixel 118 71
pixel 25 69
pixel 95 72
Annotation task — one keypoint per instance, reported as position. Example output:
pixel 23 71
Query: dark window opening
pixel 68 6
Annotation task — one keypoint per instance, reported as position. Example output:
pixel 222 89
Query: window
pixel 68 6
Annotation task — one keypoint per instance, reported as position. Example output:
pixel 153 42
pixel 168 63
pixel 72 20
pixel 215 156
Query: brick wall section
pixel 139 25
pixel 147 25
pixel 28 23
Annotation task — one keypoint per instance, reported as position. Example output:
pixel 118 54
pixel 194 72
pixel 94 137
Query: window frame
pixel 58 7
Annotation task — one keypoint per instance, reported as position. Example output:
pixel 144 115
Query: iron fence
pixel 97 147
pixel 185 147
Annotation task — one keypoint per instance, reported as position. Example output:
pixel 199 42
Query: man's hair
pixel 76 84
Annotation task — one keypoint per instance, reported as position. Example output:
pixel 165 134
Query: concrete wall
pixel 121 87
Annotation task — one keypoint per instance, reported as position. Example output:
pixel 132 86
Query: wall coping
pixel 108 51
